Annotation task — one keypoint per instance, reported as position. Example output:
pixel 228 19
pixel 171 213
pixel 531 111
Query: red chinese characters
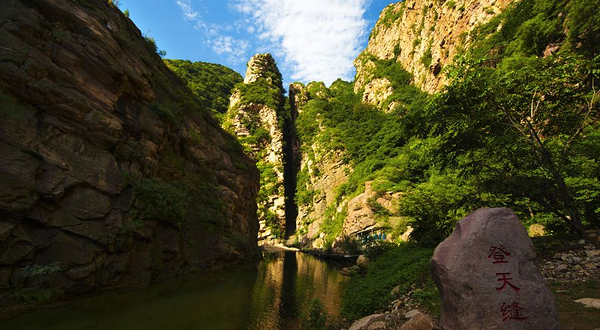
pixel 513 311
pixel 503 277
pixel 498 253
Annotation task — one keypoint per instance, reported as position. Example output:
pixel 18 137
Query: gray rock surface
pixel 365 321
pixel 363 261
pixel 489 278
pixel 418 321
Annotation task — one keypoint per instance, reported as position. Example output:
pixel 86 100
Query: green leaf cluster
pixel 165 201
pixel 211 83
pixel 261 91
pixel 529 27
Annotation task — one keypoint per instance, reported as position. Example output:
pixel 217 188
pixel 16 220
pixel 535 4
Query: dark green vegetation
pixel 34 289
pixel 520 129
pixel 211 83
pixel 316 317
pixel 404 265
pixel 514 128
pixel 262 91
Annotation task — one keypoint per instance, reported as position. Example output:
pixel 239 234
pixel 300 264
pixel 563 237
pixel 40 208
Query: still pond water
pixel 269 296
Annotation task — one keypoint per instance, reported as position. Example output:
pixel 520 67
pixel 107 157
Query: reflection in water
pixel 270 296
pixel 286 285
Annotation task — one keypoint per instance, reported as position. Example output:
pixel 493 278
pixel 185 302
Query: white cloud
pixel 318 39
pixel 188 12
pixel 234 49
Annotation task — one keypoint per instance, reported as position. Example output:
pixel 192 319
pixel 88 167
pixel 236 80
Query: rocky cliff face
pixel 320 173
pixel 257 115
pixel 323 171
pixel 109 168
pixel 423 36
pixel 410 45
pixel 368 209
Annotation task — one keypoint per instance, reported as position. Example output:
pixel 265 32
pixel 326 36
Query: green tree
pixel 514 127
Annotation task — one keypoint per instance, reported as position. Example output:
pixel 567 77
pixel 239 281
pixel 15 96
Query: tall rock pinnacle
pixel 257 116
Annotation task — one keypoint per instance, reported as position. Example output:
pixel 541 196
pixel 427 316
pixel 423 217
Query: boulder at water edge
pixel 488 276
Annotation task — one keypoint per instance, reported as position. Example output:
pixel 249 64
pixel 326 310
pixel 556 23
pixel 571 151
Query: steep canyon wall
pixel 109 168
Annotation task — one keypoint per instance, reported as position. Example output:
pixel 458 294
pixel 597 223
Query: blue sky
pixel 312 40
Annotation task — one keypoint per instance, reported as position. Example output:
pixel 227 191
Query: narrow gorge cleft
pixel 291 152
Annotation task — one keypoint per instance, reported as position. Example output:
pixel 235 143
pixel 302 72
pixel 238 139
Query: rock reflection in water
pixel 269 296
pixel 285 287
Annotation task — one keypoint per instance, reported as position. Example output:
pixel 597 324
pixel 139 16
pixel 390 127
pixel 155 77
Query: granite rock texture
pixel 258 117
pixel 488 276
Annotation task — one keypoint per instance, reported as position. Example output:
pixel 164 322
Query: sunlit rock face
pixel 262 66
pixel 258 117
pixel 110 172
pixel 424 36
pixel 321 170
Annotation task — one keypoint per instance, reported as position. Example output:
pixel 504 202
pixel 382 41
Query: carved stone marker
pixel 488 276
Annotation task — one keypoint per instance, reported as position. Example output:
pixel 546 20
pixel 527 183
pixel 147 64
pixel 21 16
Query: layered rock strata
pixel 111 173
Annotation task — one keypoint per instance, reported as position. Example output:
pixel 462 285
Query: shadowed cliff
pixel 111 171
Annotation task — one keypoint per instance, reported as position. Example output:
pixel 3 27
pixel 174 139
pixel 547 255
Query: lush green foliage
pixel 211 83
pixel 304 194
pixel 151 42
pixel 261 92
pixel 403 265
pixel 583 26
pixel 512 129
pixel 373 142
pixel 269 186
pixel 513 123
pixel 333 224
pixel 516 130
pixel 530 26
